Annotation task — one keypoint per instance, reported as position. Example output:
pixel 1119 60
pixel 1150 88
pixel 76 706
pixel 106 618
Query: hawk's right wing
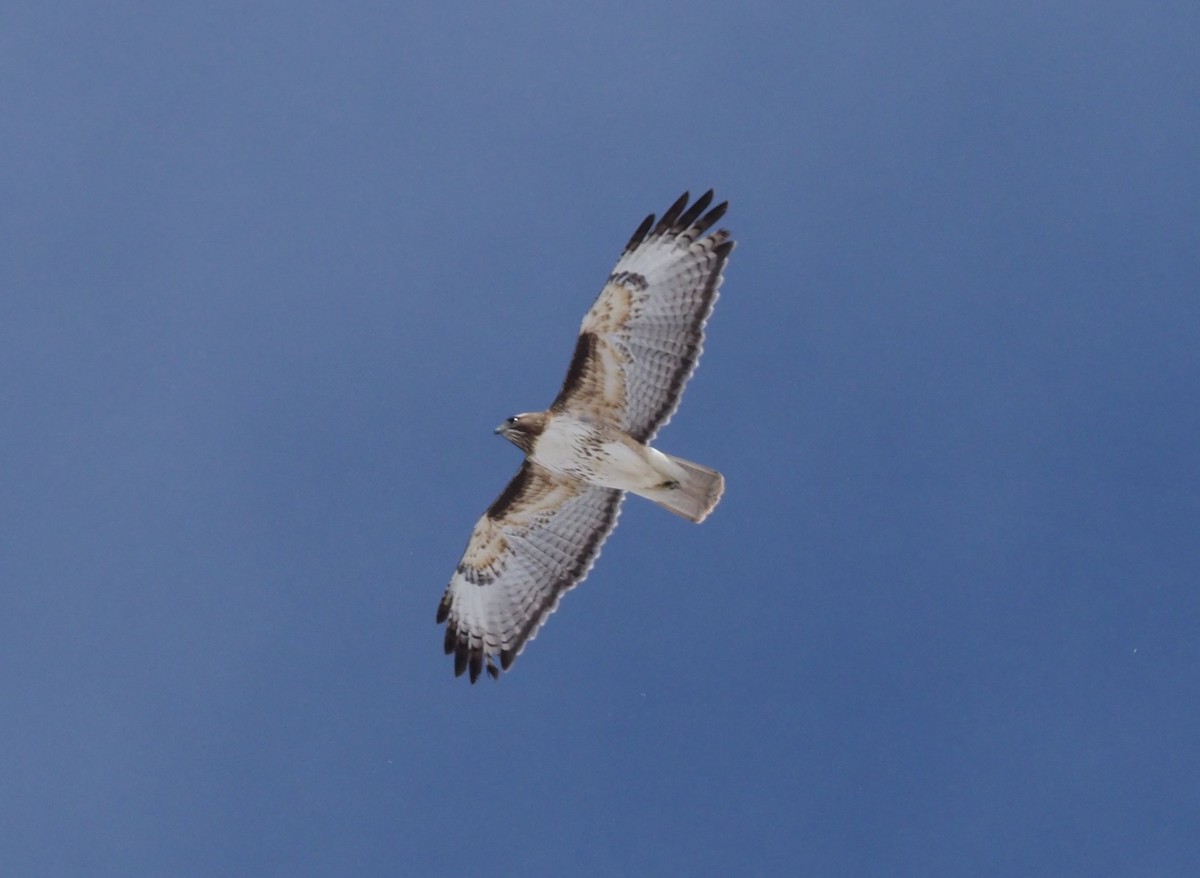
pixel 537 540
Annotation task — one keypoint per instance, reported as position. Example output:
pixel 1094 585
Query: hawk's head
pixel 523 430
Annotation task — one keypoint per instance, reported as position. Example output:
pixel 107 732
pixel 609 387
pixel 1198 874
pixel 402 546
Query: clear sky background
pixel 271 273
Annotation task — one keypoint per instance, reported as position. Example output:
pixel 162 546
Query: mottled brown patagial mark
pixel 483 562
pixel 630 279
pixel 614 304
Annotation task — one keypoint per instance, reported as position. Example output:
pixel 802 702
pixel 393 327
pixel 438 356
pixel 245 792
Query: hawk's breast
pixel 593 453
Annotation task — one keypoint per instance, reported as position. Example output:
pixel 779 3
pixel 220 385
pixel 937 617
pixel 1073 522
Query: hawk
pixel 637 347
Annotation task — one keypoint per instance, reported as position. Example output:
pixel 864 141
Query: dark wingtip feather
pixel 709 219
pixel 467 660
pixel 640 234
pixel 668 218
pixel 460 659
pixel 507 657
pixel 443 610
pixel 676 219
pixel 692 212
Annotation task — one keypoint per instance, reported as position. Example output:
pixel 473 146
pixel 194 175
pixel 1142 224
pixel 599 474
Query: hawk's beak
pixel 499 429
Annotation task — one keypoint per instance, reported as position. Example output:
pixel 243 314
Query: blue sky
pixel 272 272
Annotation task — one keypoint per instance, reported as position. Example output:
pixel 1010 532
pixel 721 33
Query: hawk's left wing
pixel 537 540
pixel 643 336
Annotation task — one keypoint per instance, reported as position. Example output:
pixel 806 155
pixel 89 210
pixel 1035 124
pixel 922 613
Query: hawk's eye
pixel 513 419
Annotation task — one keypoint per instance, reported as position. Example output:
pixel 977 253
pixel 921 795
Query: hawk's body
pixel 598 453
pixel 637 347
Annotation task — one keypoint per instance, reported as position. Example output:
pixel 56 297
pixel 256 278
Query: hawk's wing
pixel 640 341
pixel 537 540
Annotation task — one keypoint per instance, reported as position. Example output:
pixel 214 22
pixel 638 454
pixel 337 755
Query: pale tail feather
pixel 695 496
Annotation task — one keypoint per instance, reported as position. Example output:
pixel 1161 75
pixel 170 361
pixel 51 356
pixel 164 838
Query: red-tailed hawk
pixel 637 348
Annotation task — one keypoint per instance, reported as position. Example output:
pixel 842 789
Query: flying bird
pixel 637 347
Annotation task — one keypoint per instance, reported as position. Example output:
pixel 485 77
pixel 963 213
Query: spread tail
pixel 693 494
